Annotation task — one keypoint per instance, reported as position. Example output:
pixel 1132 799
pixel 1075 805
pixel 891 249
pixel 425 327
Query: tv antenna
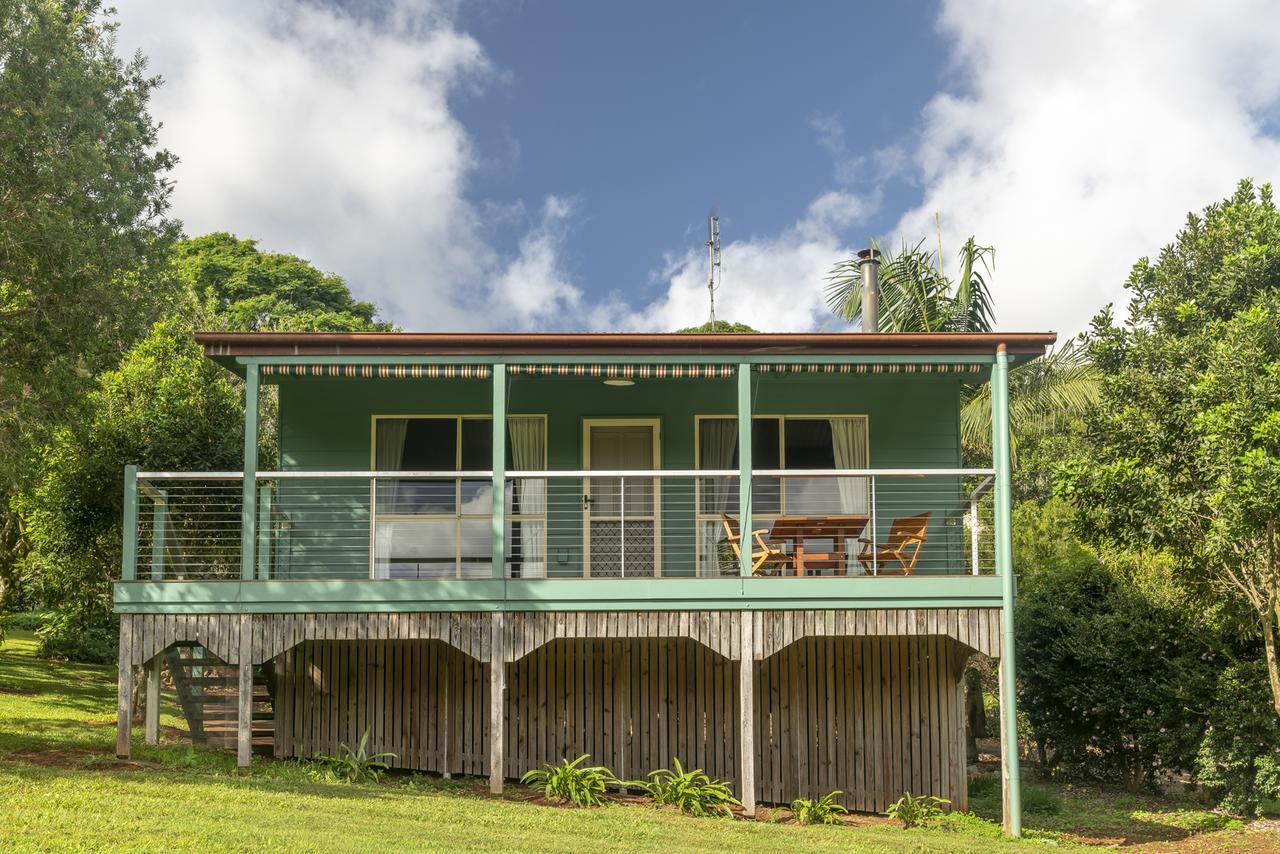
pixel 714 273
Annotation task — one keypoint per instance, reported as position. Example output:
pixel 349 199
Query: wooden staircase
pixel 206 689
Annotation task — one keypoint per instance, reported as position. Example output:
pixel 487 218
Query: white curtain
pixel 528 453
pixel 719 443
pixel 388 455
pixel 849 445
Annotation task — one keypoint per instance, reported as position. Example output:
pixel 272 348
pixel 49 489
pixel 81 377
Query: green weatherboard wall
pixel 325 425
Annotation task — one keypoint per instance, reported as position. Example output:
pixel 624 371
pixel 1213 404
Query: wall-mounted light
pixel 619 382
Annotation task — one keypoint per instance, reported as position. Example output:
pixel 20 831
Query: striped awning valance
pixel 869 368
pixel 380 371
pixel 640 372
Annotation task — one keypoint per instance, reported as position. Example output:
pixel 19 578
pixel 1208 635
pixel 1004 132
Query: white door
pixel 621 514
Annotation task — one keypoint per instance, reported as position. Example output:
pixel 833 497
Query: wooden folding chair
pixel 767 552
pixel 906 537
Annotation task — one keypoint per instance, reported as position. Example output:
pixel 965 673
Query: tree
pixel 915 295
pixel 245 289
pixel 1113 674
pixel 165 408
pixel 83 198
pixel 721 326
pixel 1184 446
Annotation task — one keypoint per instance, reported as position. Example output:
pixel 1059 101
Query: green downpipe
pixel 1004 567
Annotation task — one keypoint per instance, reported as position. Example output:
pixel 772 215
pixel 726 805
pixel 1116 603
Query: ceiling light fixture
pixel 618 382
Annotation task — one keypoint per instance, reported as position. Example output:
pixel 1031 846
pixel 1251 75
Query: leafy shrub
pixel 26 621
pixel 572 782
pixel 691 792
pixel 79 636
pixel 1112 670
pixel 1239 758
pixel 356 766
pixel 822 811
pixel 916 810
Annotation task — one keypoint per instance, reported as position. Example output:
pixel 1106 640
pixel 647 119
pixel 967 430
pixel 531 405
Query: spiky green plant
pixel 824 810
pixel 916 810
pixel 358 765
pixel 691 792
pixel 572 782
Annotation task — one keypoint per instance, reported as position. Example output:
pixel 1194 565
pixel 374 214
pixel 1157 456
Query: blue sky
pixel 549 165
pixel 647 115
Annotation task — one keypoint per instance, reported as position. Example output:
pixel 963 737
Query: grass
pixel 1092 815
pixel 62 789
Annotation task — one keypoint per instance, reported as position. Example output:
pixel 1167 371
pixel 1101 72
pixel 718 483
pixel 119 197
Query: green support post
pixel 249 491
pixel 129 550
pixel 744 468
pixel 499 470
pixel 1004 568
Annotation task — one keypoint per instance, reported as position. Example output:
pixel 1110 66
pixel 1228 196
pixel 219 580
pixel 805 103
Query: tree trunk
pixel 1271 619
pixel 1273 667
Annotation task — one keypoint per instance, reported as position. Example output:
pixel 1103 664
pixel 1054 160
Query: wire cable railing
pixel 567 524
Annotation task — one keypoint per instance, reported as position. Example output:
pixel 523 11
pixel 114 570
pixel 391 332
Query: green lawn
pixel 62 789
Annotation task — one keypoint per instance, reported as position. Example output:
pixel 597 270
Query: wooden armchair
pixel 767 553
pixel 906 537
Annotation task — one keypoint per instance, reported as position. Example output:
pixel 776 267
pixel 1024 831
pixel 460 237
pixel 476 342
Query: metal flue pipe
pixel 869 270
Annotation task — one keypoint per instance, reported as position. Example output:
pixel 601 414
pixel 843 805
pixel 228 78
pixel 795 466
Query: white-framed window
pixel 441 527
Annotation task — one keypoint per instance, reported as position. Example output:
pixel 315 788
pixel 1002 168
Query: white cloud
pixel 534 290
pixel 328 135
pixel 1074 138
pixel 1080 134
pixel 772 283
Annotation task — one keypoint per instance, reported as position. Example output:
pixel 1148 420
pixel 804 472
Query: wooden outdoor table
pixel 838 529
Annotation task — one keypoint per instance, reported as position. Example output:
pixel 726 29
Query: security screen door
pixel 621 514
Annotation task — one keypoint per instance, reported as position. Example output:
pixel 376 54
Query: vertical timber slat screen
pixel 871 716
pixel 424 701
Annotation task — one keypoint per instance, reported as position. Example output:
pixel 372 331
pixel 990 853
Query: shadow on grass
pixel 1100 815
pixel 171 777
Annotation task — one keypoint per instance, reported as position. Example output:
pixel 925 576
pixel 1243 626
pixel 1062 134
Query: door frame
pixel 655 423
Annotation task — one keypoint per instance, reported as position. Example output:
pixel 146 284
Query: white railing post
pixel 973 533
pixel 875 546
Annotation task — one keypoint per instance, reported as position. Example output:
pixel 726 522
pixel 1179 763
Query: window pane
pixel 415 549
pixel 430 444
pixel 764 444
pixel 402 497
pixel 477 497
pixel 477 444
pixel 809 444
pixel 477 548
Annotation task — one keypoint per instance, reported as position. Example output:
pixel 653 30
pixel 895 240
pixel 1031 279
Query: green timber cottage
pixel 758 553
